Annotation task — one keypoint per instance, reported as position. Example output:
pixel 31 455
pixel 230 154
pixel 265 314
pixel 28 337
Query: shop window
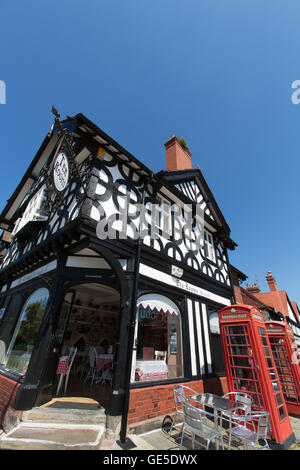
pixel 26 331
pixel 10 310
pixel 158 347
pixel 35 210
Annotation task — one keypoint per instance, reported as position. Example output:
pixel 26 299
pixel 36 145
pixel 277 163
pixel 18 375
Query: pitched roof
pixel 87 129
pixel 180 177
pixel 275 299
pixel 244 297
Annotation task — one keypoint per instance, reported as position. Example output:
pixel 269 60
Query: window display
pixel 158 351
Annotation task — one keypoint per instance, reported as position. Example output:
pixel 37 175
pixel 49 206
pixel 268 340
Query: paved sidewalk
pixel 157 439
pixel 162 440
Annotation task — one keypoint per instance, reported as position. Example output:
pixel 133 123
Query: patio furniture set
pixel 234 408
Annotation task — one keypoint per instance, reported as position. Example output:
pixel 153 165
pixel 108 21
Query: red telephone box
pixel 250 366
pixel 281 339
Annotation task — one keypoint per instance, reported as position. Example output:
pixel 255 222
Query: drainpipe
pixel 131 325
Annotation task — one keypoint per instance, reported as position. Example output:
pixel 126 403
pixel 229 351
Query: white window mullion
pixel 206 336
pixel 199 337
pixel 192 336
pixel 209 246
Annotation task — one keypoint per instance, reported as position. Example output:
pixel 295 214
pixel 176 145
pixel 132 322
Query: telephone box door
pixel 250 366
pixel 287 366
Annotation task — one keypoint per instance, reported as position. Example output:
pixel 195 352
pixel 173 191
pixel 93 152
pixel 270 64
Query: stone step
pixel 64 416
pixel 50 436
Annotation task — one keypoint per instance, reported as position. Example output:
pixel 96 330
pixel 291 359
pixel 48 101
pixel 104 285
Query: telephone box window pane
pixel 236 384
pixel 243 373
pixel 246 385
pixel 236 330
pixel 274 340
pixel 267 352
pixel 264 341
pixel 272 375
pixel 282 412
pixel 275 387
pixel 257 401
pixel 240 351
pixel 241 361
pixel 278 399
pixel 238 340
pixel 269 362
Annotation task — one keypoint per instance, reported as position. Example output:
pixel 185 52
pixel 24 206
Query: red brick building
pixel 278 299
pixel 247 296
pixel 275 305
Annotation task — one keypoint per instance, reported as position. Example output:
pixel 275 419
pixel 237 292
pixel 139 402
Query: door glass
pixel 242 364
pixel 272 372
pixel 64 317
pixel 284 369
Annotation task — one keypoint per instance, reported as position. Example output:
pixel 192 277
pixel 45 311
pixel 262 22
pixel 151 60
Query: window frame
pixel 209 246
pixel 163 216
pixel 180 346
pixel 17 325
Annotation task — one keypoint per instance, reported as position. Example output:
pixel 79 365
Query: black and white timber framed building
pixel 57 265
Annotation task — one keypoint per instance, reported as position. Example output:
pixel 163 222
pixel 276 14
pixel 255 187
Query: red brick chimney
pixel 254 289
pixel 271 281
pixel 177 157
pixel 6 236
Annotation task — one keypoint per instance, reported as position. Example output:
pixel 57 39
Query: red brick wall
pixel 8 390
pixel 153 402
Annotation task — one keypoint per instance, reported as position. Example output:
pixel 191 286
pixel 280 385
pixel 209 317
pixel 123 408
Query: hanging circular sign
pixel 61 172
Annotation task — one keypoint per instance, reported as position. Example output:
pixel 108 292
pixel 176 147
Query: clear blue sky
pixel 217 73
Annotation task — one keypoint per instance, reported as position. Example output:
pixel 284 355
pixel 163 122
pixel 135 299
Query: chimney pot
pixel 254 289
pixel 177 157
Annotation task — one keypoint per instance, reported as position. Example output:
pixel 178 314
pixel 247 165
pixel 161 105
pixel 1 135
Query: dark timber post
pixel 131 325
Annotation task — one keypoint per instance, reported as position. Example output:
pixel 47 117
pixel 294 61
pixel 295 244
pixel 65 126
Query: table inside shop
pixel 102 360
pixel 151 370
pixel 218 404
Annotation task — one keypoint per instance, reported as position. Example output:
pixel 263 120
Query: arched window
pixel 214 322
pixel 26 331
pixel 215 341
pixel 157 351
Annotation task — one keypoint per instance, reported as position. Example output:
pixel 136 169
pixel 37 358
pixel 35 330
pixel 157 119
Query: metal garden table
pixel 218 404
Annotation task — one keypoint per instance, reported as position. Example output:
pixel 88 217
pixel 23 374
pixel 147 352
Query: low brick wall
pixel 8 390
pixel 153 403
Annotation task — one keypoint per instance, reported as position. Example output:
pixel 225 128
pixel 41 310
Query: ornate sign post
pixel 62 168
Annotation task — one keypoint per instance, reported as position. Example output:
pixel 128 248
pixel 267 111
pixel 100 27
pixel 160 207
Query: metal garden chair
pixel 258 433
pixel 182 394
pixel 197 423
pixel 240 414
